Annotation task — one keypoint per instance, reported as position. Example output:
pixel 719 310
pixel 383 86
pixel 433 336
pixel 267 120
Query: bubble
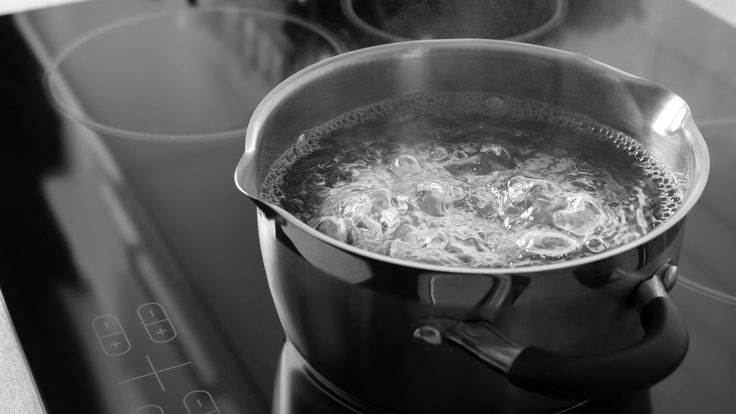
pixel 548 243
pixel 518 187
pixel 581 216
pixel 301 145
pixel 439 153
pixel 332 227
pixel 495 158
pixel 389 215
pixel 405 165
pixel 595 244
pixel 461 169
pixel 466 260
pixel 434 197
pixel 380 199
pixel 438 241
pixel 523 189
pixel 484 203
pixel 469 147
pixel 401 202
pixel 369 230
pixel 301 139
pixel 412 238
pixel 459 155
pixel 423 150
pixel 496 105
pixel 456 192
pixel 510 215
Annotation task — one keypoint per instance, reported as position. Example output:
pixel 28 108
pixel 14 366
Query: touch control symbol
pixel 155 372
pixel 157 323
pixel 111 335
pixel 200 402
pixel 150 409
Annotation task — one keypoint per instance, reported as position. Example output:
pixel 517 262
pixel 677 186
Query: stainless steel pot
pixel 401 336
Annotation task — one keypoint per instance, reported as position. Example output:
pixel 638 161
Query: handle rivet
pixel 428 334
pixel 669 276
pixel 471 331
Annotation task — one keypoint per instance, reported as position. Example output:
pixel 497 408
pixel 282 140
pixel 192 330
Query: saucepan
pixel 393 335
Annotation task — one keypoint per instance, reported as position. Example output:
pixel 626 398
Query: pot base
pixel 301 390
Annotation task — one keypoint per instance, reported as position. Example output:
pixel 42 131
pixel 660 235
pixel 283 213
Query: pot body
pixel 352 314
pixel 352 319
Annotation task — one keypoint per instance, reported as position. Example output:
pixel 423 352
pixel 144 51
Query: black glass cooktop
pixel 131 265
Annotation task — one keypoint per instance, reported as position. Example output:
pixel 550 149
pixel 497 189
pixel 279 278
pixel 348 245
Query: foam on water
pixel 472 180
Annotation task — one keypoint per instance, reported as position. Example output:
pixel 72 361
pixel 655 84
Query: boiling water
pixel 472 180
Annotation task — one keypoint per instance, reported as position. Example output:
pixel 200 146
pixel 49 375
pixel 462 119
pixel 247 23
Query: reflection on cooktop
pixel 706 290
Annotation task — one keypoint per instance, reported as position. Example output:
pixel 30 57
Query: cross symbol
pixel 161 331
pixel 115 344
pixel 155 373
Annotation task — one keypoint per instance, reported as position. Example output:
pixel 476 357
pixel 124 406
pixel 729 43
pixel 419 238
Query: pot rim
pixel 274 98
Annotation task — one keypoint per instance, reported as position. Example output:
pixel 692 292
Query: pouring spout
pixel 246 179
pixel 246 175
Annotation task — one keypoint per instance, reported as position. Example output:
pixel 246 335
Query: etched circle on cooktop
pixel 707 259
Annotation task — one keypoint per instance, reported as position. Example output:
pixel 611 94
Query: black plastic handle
pixel 640 365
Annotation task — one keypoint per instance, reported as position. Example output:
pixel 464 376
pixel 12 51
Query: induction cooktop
pixel 132 274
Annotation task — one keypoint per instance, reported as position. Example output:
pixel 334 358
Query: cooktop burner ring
pixel 556 16
pixel 251 38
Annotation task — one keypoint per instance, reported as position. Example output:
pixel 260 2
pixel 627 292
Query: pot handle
pixel 643 364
